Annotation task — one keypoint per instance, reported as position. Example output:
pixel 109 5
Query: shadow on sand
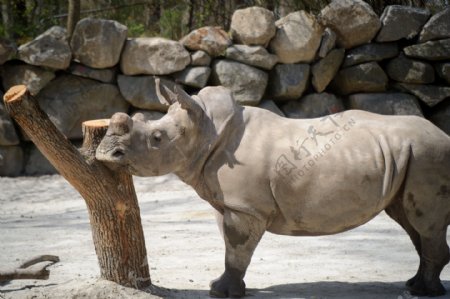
pixel 317 290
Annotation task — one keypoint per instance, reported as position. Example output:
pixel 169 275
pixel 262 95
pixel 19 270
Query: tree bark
pixel 109 195
pixel 73 16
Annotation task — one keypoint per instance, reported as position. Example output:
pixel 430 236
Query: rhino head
pixel 158 147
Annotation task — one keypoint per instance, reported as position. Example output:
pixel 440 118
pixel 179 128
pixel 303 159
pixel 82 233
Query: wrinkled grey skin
pixel 263 172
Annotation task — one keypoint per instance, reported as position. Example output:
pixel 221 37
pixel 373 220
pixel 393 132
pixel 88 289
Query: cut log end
pixel 96 123
pixel 15 93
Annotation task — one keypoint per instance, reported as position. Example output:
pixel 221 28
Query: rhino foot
pixel 410 282
pixel 227 286
pixel 419 288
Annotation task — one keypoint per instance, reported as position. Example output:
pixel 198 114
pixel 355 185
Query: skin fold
pixel 262 172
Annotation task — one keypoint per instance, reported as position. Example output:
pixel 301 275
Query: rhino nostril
pixel 118 153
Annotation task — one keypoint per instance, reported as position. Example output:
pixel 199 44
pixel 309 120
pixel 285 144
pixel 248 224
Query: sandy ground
pixel 45 215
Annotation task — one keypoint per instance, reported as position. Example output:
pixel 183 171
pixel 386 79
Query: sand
pixel 45 215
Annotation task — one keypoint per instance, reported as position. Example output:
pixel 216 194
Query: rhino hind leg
pixel 242 233
pixel 431 245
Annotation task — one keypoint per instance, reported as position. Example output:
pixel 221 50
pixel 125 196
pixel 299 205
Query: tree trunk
pixel 109 195
pixel 73 16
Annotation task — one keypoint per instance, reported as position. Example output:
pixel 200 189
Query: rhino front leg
pixel 242 233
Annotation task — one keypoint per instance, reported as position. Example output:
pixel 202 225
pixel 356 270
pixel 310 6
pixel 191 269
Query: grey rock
pixel 401 21
pixel 406 70
pixel 98 43
pixel 386 103
pixel 252 55
pixel 367 77
pixel 370 52
pixel 194 76
pixel 107 75
pixel 153 56
pixel 35 78
pixel 325 69
pixel 146 115
pixel 247 83
pixel 354 22
pixel 200 58
pixel 8 134
pixel 431 50
pixel 313 105
pixel 252 26
pixel 429 94
pixel 328 42
pixel 36 163
pixel 212 40
pixel 11 160
pixel 140 91
pixel 288 81
pixel 441 117
pixel 70 100
pixel 443 69
pixel 297 38
pixel 7 50
pixel 50 49
pixel 271 106
pixel 437 27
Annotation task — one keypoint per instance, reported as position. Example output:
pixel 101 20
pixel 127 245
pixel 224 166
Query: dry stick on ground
pixel 23 273
pixel 109 195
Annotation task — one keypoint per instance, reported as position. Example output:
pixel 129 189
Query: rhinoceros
pixel 309 177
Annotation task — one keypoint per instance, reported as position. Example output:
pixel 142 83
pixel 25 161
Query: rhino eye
pixel 156 137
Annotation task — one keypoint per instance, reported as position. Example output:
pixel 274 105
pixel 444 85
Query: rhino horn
pixel 121 123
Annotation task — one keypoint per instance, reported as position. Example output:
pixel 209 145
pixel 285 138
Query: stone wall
pixel 300 66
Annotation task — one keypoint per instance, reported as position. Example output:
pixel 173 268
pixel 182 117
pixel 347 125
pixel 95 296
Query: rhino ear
pixel 165 95
pixel 187 102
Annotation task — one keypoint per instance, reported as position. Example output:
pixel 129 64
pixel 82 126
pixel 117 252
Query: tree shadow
pixel 316 290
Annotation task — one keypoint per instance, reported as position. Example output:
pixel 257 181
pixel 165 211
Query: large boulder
pixel 8 135
pixel 35 78
pixel 252 26
pixel 437 27
pixel 401 21
pixel 7 50
pixel 370 52
pixel 271 106
pixel 429 94
pixel 297 38
pixel 354 22
pixel 328 42
pixel 98 43
pixel 325 69
pixel 404 69
pixel 440 116
pixel 366 77
pixel 288 81
pixel 69 100
pixel 212 40
pixel 50 49
pixel 153 56
pixel 194 76
pixel 386 103
pixel 247 83
pixel 140 91
pixel 200 58
pixel 252 55
pixel 146 115
pixel 313 105
pixel 36 163
pixel 107 75
pixel 11 160
pixel 432 50
pixel 443 69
